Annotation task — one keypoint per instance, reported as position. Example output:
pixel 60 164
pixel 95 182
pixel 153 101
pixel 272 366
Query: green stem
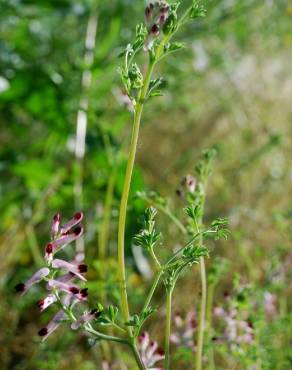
pixel 125 197
pixel 201 324
pixel 137 357
pixel 209 306
pixel 152 290
pixel 167 328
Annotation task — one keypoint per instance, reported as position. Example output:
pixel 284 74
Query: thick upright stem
pixel 167 328
pixel 125 197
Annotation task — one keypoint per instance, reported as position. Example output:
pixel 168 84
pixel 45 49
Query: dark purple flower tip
pixel 193 323
pixel 160 351
pixel 226 294
pixel 155 29
pixel 78 216
pixel 95 312
pixel 57 217
pixel 77 230
pixel 43 332
pixel 41 303
pixel 82 268
pixel 84 292
pixel 49 248
pixel 141 337
pixel 20 287
pixel 74 290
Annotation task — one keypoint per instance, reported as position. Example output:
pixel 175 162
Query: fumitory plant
pixel 154 39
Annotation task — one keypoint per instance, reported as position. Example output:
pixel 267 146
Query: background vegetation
pixel 230 88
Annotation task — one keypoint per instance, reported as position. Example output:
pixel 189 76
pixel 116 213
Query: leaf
pixel 172 47
pixel 197 11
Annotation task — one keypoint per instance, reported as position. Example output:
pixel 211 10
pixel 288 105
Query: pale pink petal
pixel 73 222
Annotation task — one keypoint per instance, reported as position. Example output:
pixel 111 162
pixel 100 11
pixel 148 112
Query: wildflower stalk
pixel 203 302
pixel 167 328
pixel 127 184
pixel 137 356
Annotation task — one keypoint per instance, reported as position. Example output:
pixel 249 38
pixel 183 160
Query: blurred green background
pixel 231 87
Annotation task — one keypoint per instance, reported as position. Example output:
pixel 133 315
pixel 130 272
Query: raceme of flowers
pixel 61 277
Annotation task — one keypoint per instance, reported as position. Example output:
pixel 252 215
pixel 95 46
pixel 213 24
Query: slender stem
pixel 209 305
pixel 104 336
pixel 124 200
pixel 167 328
pixel 138 357
pixel 201 324
pixel 152 290
pixel 153 255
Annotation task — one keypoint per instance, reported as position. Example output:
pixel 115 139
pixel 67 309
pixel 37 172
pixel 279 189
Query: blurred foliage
pixel 231 87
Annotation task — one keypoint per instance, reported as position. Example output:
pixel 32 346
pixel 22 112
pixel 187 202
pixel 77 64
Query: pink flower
pixel 150 353
pixel 59 243
pixel 77 218
pixel 46 302
pixel 56 225
pixel 36 278
pixel 52 325
pixel 185 330
pixel 76 269
pixel 86 317
pixel 64 287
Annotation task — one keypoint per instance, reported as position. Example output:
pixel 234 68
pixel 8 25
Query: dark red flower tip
pixel 152 343
pixel 141 337
pixel 214 339
pixel 226 294
pixel 49 248
pixel 43 332
pixel 41 303
pixel 250 324
pixel 57 217
pixel 74 290
pixel 77 230
pixel 193 323
pixel 155 29
pixel 78 216
pixel 20 287
pixel 82 268
pixel 95 312
pixel 84 292
pixel 160 351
